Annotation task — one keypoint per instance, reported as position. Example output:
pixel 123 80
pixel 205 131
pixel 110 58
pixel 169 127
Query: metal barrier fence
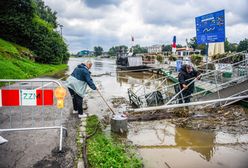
pixel 27 105
pixel 226 72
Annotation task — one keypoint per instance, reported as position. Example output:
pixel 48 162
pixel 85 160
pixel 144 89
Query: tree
pixel 116 49
pixel 193 44
pixel 243 45
pixel 179 46
pixel 98 50
pixel 112 51
pixel 230 46
pixel 166 48
pixel 21 23
pixel 15 19
pixel 137 49
pixel 46 13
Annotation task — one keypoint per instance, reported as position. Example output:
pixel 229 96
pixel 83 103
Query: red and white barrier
pixel 26 97
pixel 0 98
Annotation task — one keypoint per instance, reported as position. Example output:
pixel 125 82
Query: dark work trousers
pixel 77 101
pixel 184 96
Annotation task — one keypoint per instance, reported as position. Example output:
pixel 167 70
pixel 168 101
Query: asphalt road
pixel 37 148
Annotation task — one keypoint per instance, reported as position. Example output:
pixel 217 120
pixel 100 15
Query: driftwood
pixel 158 115
pixel 147 116
pixel 99 75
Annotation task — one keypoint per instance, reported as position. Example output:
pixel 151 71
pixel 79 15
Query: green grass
pixel 16 65
pixel 7 47
pixel 104 152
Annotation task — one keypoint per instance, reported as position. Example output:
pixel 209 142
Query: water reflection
pixel 133 78
pixel 98 64
pixel 165 136
pixel 103 65
pixel 198 141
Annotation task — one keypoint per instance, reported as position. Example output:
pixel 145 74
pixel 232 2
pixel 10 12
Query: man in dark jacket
pixel 77 83
pixel 186 75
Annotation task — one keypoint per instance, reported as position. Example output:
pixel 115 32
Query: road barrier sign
pixel 0 98
pixel 48 94
pixel 26 97
pixel 28 105
pixel 10 98
pixel 210 28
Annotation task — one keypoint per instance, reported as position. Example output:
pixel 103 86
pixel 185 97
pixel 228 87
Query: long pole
pixel 182 90
pixel 186 104
pixel 106 102
pixel 61 27
pixel 207 56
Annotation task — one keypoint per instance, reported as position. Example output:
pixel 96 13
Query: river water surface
pixel 160 143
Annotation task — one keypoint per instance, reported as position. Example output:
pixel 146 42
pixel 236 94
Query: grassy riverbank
pixel 103 151
pixel 16 62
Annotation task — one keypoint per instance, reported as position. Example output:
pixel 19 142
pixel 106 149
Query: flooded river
pixel 160 143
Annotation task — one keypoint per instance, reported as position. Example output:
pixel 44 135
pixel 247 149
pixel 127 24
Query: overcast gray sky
pixel 89 23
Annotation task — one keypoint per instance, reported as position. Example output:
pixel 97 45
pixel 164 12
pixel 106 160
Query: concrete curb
pixel 82 132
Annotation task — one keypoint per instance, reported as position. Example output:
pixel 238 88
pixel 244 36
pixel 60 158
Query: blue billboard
pixel 210 28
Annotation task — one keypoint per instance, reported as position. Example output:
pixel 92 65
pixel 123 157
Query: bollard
pixel 119 123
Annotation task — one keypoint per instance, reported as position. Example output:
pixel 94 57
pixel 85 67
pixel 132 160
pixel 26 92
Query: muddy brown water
pixel 160 143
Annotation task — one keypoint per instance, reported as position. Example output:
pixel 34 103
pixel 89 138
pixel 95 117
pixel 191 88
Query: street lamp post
pixel 61 27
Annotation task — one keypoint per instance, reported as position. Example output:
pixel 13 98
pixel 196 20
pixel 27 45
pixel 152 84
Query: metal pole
pixel 61 138
pixel 35 128
pixel 106 102
pixel 216 84
pixel 207 57
pixel 181 90
pixel 31 80
pixel 185 104
pixel 20 86
pixel 61 27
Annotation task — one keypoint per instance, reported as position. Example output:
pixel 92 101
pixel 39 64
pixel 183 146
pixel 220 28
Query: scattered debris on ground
pixel 232 119
pixel 119 101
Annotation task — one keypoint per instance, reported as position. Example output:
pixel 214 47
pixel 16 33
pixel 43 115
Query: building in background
pixel 84 53
pixel 105 55
pixel 215 48
pixel 154 49
pixel 187 51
